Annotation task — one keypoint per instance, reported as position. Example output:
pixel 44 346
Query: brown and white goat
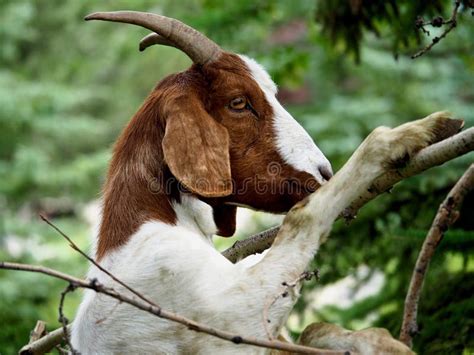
pixel 205 141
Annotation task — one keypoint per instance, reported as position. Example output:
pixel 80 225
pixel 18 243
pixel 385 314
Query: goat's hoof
pixel 436 127
pixel 394 147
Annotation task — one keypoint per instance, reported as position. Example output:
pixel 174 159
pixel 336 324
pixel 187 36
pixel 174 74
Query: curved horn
pixel 152 39
pixel 197 46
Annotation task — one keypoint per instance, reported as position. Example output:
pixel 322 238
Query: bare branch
pixel 44 344
pixel 159 312
pixel 434 155
pixel 437 22
pixel 254 244
pixel 447 214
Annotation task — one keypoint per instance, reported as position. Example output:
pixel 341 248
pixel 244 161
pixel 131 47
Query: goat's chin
pixel 277 203
pixel 285 202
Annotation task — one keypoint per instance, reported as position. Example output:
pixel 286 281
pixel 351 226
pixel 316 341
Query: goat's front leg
pixel 309 222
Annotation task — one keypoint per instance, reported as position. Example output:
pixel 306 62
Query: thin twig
pixel 38 332
pixel 286 288
pixel 97 265
pixel 447 214
pixel 159 312
pixel 63 320
pixel 438 22
pixel 431 156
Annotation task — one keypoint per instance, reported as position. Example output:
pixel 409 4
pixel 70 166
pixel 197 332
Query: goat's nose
pixel 325 171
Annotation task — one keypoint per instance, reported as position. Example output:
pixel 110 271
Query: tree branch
pixel 436 154
pixel 437 22
pixel 447 214
pixel 159 312
pixel 44 344
pixel 257 243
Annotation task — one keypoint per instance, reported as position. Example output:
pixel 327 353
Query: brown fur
pixel 185 133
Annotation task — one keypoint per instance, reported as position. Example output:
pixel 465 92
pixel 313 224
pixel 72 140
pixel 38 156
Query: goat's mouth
pixel 300 192
pixel 311 186
pixel 276 199
pixel 301 188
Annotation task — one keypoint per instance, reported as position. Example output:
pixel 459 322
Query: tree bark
pixel 448 213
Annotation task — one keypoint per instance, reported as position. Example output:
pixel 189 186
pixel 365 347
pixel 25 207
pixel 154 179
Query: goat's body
pixel 179 269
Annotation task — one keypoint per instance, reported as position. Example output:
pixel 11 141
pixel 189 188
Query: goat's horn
pixel 197 46
pixel 152 39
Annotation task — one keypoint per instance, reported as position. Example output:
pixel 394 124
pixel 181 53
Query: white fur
pixel 293 142
pixel 178 268
pixel 196 216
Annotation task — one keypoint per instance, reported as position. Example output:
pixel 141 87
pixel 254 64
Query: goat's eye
pixel 239 103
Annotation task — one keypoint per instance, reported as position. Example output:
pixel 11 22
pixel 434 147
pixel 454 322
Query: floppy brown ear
pixel 196 149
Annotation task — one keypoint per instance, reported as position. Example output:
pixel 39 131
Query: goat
pixel 205 141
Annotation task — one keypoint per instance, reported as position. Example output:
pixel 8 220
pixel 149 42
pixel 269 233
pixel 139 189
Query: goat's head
pixel 226 137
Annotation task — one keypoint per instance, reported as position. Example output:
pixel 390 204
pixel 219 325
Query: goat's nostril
pixel 326 172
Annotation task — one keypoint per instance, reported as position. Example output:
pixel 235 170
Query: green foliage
pixel 67 88
pixel 347 23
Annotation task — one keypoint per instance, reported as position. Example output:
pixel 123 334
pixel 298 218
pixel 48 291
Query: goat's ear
pixel 196 149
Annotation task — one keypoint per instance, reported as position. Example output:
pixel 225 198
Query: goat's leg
pixel 308 224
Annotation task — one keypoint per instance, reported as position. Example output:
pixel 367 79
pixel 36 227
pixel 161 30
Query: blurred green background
pixel 68 87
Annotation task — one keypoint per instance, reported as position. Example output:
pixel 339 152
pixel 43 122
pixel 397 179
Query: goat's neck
pixel 195 215
pixel 139 188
